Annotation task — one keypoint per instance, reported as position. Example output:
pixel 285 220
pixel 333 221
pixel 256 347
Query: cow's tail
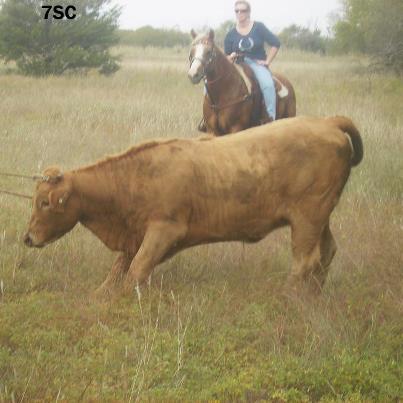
pixel 347 126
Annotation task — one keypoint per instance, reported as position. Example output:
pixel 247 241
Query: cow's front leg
pixel 115 276
pixel 159 240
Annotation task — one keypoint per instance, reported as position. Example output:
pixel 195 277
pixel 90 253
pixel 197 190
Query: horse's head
pixel 201 56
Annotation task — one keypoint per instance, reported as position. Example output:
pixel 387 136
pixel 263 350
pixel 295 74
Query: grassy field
pixel 213 324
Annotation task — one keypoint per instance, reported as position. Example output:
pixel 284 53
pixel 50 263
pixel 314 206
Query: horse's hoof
pixel 202 126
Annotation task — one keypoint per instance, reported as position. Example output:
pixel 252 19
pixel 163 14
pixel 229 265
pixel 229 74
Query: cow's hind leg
pixel 159 241
pixel 115 276
pixel 327 251
pixel 313 250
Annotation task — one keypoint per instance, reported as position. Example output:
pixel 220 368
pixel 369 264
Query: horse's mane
pixel 199 38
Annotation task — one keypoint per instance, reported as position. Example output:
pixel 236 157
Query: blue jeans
pixel 266 84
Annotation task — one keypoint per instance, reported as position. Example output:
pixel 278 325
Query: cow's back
pixel 245 184
pixel 240 186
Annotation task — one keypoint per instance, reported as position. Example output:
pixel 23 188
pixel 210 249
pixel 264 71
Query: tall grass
pixel 213 324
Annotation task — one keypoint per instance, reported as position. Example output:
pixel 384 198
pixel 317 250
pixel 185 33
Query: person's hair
pixel 244 2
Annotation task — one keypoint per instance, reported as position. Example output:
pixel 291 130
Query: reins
pixel 207 81
pixel 217 107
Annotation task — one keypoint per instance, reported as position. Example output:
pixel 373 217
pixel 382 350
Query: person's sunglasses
pixel 239 11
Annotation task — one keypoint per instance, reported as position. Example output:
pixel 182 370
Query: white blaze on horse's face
pixel 196 70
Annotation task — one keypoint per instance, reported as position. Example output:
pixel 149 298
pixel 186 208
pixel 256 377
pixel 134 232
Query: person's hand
pixel 263 63
pixel 232 57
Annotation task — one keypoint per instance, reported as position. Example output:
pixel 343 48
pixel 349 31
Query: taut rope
pixel 37 177
pixel 17 175
pixel 7 192
pixel 16 194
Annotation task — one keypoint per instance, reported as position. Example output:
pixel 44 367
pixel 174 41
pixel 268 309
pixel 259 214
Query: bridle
pixel 204 63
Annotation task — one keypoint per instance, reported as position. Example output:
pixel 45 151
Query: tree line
pixel 55 45
pixel 372 27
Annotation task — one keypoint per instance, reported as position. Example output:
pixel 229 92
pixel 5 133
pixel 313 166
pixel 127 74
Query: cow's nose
pixel 27 239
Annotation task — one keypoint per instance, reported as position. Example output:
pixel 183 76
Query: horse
pixel 233 100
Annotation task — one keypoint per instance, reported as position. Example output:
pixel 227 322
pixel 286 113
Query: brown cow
pixel 163 196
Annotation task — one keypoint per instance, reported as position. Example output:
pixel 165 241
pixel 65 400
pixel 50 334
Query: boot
pixel 266 119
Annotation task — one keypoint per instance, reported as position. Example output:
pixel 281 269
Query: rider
pixel 248 38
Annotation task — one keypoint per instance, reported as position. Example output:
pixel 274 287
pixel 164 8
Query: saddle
pixel 247 75
pixel 252 85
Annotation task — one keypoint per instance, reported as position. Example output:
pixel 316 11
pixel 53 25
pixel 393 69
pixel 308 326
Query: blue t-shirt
pixel 252 44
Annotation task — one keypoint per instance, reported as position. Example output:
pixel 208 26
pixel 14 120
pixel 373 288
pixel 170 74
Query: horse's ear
pixel 211 34
pixel 193 33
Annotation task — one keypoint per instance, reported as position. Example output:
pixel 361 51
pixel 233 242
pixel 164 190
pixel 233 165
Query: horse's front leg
pixel 212 124
pixel 236 128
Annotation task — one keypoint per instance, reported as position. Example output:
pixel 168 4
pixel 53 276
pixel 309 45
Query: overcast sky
pixel 187 14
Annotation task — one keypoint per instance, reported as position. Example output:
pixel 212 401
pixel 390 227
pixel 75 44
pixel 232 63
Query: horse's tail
pixel 347 126
pixel 289 99
pixel 292 102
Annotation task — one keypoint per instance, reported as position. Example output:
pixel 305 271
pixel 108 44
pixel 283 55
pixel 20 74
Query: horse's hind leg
pixel 291 103
pixel 313 249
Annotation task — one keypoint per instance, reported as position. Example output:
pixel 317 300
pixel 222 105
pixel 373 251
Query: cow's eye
pixel 44 203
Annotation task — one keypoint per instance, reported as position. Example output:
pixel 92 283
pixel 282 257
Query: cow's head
pixel 54 211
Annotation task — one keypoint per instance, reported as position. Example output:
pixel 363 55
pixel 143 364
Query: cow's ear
pixel 59 195
pixel 58 199
pixel 193 33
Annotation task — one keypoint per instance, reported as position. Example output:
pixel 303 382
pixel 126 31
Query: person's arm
pixel 271 55
pixel 228 48
pixel 274 44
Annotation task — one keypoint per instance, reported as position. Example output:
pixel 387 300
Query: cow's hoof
pixel 303 290
pixel 104 293
pixel 128 289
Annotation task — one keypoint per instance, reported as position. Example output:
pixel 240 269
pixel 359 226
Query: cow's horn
pixel 48 178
